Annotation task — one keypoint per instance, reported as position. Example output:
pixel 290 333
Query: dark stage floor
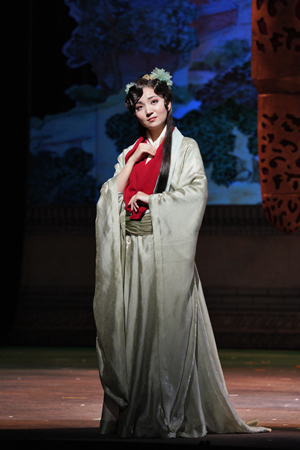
pixel 50 395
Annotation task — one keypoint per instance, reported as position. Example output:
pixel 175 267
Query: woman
pixel 158 362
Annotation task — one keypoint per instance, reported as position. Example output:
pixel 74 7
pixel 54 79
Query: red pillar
pixel 276 76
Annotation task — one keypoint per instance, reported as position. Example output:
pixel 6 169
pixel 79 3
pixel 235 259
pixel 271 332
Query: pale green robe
pixel 156 350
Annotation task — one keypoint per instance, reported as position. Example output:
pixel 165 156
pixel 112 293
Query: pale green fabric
pixel 156 350
pixel 139 227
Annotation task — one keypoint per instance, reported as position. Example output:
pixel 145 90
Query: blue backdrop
pixel 86 51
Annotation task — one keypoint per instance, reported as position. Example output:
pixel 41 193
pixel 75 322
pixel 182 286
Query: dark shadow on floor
pixel 89 438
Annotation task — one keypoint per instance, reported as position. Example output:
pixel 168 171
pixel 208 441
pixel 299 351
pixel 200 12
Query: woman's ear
pixel 169 106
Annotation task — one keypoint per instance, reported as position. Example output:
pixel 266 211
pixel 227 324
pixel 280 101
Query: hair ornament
pixel 161 75
pixel 128 86
pixel 156 74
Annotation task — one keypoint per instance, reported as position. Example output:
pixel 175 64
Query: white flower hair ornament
pixel 128 86
pixel 156 74
pixel 161 75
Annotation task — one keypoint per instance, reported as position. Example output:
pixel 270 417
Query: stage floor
pixel 54 394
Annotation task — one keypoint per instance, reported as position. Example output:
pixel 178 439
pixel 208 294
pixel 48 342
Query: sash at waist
pixel 139 227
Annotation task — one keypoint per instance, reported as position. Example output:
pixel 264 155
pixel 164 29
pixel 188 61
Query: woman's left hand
pixel 139 196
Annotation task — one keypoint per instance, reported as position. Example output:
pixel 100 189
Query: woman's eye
pixel 138 108
pixel 154 101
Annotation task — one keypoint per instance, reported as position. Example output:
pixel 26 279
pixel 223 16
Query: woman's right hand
pixel 143 149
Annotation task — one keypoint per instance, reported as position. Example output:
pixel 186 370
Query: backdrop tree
pixel 108 28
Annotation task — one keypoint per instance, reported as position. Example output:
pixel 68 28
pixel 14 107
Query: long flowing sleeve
pixel 108 297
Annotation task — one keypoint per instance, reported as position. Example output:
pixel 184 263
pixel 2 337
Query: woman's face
pixel 151 111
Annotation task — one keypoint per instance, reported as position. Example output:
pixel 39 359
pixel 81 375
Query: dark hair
pixel 160 88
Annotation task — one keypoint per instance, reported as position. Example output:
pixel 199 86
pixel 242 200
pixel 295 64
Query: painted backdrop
pixel 205 44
